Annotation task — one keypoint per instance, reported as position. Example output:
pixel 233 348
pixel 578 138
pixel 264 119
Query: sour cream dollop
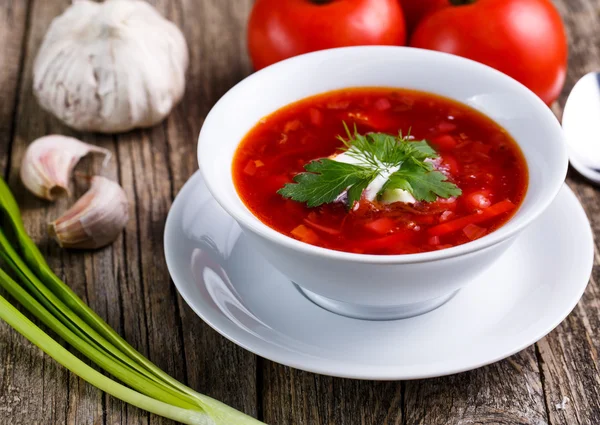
pixel 370 193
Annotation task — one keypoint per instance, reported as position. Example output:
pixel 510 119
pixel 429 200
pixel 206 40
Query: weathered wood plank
pixel 128 283
pixel 569 355
pixel 145 178
pixel 582 20
pixel 51 394
pixel 215 31
pixel 508 392
pixel 293 397
pixel 13 21
pixel 26 376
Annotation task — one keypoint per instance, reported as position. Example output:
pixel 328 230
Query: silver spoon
pixel 581 123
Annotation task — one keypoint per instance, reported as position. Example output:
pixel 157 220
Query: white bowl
pixel 375 286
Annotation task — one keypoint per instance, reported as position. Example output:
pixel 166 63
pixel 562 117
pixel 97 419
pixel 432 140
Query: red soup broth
pixel 477 154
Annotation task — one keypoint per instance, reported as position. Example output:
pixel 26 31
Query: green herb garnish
pixel 400 160
pixel 26 276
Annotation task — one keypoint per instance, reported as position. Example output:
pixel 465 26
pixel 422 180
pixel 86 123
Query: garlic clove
pixel 95 220
pixel 49 161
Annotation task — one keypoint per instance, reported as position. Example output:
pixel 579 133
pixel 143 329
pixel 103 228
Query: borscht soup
pixel 380 171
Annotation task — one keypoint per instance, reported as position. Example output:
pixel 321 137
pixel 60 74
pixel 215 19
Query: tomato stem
pixel 462 2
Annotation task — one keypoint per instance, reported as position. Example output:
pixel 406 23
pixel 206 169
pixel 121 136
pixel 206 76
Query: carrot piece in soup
pixel 460 223
pixel 473 231
pixel 382 104
pixel 321 228
pixel 375 120
pixel 316 117
pixel 250 168
pixel 292 126
pixel 444 142
pixel 446 127
pixel 305 234
pixel 434 240
pixel 381 226
pixel 388 242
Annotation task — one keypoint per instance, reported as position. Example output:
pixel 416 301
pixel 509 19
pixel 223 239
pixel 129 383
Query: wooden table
pixel 128 283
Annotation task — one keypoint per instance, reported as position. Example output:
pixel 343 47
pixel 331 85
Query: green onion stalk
pixel 26 276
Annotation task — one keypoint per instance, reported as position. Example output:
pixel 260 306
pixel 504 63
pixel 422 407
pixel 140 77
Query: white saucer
pixel 531 289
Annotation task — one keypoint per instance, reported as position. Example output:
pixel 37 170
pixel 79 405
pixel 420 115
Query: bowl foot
pixel 370 312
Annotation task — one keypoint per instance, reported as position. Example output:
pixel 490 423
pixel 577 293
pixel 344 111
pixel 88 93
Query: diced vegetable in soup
pixel 380 171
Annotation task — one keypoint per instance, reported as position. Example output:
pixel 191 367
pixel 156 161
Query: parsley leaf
pixel 421 150
pixel 382 149
pixel 326 180
pixel 355 192
pixel 425 185
pixel 372 154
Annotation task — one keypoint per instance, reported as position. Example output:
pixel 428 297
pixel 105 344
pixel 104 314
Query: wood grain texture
pixel 293 397
pixel 569 355
pixel 507 392
pixel 76 402
pixel 13 30
pixel 128 283
pixel 27 378
pixel 214 30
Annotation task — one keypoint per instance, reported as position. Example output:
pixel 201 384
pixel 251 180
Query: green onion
pixel 52 302
pixel 25 327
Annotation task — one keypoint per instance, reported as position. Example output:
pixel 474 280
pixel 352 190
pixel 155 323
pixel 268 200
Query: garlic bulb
pixel 96 219
pixel 49 161
pixel 110 67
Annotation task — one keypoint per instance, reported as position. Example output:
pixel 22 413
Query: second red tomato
pixel 522 38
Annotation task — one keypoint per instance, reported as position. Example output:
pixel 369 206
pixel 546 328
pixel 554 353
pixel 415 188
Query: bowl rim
pixel 506 231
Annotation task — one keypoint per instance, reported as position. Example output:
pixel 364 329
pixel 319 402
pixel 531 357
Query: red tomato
pixel 381 226
pixel 522 38
pixel 478 200
pixel 416 10
pixel 279 29
pixel 450 164
pixel 444 142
